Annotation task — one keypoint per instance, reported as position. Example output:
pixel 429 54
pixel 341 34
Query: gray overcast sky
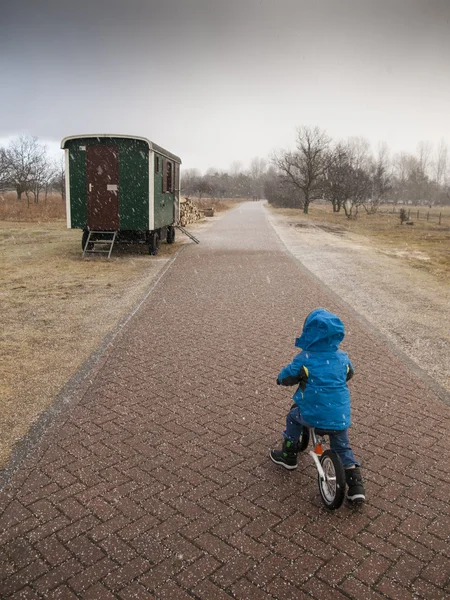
pixel 216 81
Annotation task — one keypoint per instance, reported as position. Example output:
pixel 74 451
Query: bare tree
pixel 360 185
pixel 424 152
pixel 59 177
pixel 337 177
pixel 235 168
pixel 306 167
pixel 26 158
pixel 358 149
pixel 257 170
pixel 441 162
pixel 4 170
pixel 381 179
pixel 42 175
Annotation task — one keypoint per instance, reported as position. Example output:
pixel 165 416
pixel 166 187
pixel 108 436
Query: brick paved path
pixel 157 484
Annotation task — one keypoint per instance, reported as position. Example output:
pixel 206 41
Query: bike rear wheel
pixel 332 487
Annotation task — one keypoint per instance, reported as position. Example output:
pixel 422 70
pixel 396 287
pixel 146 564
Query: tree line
pixel 26 167
pixel 350 176
pixel 237 183
pixel 345 173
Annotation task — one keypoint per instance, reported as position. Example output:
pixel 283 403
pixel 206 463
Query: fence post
pixel 417 215
pixel 440 215
pixel 428 215
pixel 409 212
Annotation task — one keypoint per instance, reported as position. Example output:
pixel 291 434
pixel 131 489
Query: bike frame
pixel 317 452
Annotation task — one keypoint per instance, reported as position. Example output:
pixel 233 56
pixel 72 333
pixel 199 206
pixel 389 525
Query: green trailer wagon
pixel 121 188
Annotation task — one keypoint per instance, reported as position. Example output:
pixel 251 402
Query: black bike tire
pixel 329 456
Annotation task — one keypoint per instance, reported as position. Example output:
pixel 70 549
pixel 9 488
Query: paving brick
pixel 62 592
pixel 230 525
pixel 86 551
pixel 118 550
pixel 48 528
pixel 200 569
pixel 20 579
pixel 19 552
pixel 245 590
pixel 134 591
pixel 437 571
pixel 25 594
pixel 322 591
pixel 52 551
pixel 371 569
pixel 406 570
pixel 98 592
pixel 141 525
pixel 394 590
pixel 420 551
pixel 160 573
pixel 171 591
pixel 267 570
pixel 232 570
pixel 302 568
pixel 78 527
pixel 215 546
pixel 44 510
pixel 427 590
pixel 248 546
pixel 91 575
pixel 337 569
pixel 57 575
pixel 206 590
pixel 359 591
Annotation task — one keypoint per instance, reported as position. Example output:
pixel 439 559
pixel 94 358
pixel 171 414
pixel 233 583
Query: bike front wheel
pixel 332 486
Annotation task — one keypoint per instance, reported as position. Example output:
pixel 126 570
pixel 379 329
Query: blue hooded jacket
pixel 322 370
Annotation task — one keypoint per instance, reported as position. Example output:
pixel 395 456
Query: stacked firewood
pixel 189 213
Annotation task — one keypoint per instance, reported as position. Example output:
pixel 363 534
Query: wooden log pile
pixel 189 213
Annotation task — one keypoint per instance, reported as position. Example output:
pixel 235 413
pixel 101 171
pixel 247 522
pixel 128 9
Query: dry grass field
pixel 424 245
pixel 57 307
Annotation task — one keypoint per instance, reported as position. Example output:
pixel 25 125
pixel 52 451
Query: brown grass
pixel 24 210
pixel 425 245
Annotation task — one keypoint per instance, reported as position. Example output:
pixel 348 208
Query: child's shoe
pixel 355 492
pixel 287 456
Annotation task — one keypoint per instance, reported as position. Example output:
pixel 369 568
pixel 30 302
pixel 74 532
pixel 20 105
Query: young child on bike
pixel 322 399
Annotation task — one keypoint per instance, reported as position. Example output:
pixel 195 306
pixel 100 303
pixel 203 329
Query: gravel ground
pixel 409 306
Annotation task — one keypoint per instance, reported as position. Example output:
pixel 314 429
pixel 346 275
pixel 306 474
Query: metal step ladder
pixel 186 232
pixel 100 245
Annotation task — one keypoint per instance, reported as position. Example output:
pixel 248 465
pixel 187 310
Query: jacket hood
pixel 322 331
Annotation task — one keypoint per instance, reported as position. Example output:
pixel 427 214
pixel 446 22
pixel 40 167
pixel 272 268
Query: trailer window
pixel 157 164
pixel 169 185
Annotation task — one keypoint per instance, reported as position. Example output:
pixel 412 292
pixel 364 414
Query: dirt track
pixel 408 305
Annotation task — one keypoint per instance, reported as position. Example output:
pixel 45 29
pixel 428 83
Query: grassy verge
pixel 425 244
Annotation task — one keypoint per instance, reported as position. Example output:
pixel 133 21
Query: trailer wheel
pixel 153 246
pixel 170 234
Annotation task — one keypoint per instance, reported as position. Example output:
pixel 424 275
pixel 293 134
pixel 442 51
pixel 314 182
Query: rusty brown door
pixel 102 175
